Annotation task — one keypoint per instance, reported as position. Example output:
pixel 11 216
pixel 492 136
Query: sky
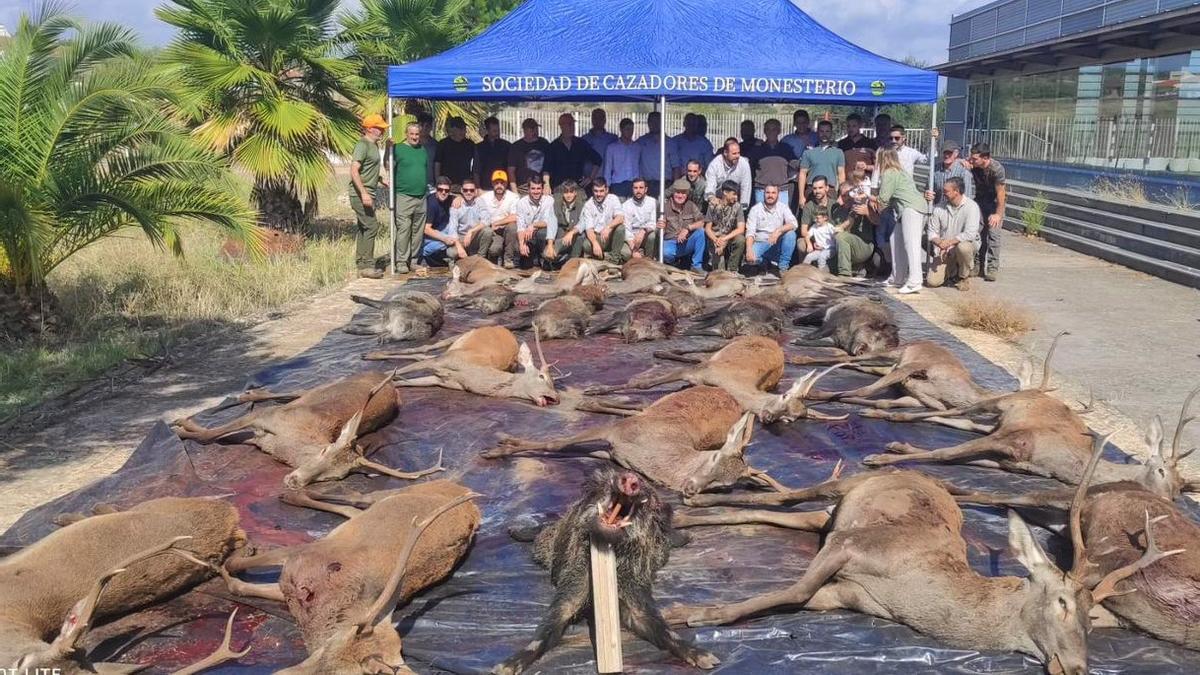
pixel 893 28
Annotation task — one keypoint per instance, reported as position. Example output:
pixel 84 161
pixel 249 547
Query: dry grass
pixel 125 299
pixel 995 316
pixel 1122 188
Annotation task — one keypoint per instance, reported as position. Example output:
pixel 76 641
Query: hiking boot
pixel 989 275
pixel 509 264
pixel 697 270
pixel 963 285
pixel 369 273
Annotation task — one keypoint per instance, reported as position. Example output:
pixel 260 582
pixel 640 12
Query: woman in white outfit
pixel 898 192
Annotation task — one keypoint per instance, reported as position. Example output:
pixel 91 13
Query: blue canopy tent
pixel 665 50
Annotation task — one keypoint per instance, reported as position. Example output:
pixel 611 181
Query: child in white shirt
pixel 822 235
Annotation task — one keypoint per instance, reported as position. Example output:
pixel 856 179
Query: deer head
pixel 726 466
pixel 534 383
pixel 1162 475
pixel 529 284
pixel 455 288
pixel 790 405
pixel 369 643
pixel 1054 608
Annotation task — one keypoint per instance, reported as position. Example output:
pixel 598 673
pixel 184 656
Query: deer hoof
pixel 873 412
pixel 896 446
pixel 877 460
pixel 703 660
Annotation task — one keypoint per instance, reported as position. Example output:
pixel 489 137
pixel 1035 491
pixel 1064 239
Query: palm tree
pixel 88 151
pixel 264 83
pixel 387 32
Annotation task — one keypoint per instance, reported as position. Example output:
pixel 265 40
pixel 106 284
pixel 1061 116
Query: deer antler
pixel 1184 420
pixel 223 653
pixel 79 620
pixel 1046 364
pixel 1090 406
pixel 537 342
pixel 1079 569
pixel 390 595
pixel 1107 587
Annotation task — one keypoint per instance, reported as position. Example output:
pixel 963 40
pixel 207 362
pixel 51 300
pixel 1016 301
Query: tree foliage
pixel 264 83
pixel 88 151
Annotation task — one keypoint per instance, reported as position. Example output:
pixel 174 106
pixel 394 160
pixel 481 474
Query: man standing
pixel 491 154
pixel 440 239
pixel 855 219
pixel 454 155
pixel 991 193
pixel 821 203
pixel 501 205
pixel 471 223
pixel 527 156
pixel 535 226
pixel 622 161
pixel 568 207
pixel 650 144
pixel 725 229
pixel 953 233
pixel 598 137
pixel 883 127
pixel 771 232
pixel 365 178
pixel 682 227
pixel 640 214
pixel 601 222
pixel 409 162
pixel 694 175
pixel 802 137
pixel 855 140
pixel 570 156
pixel 729 165
pixel 909 156
pixel 771 160
pixel 426 121
pixel 690 146
pixel 950 167
pixel 749 142
pixel 824 159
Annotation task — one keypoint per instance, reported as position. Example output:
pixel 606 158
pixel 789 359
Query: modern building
pixel 1100 83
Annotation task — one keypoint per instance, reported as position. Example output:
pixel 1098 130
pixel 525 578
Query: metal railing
pixel 1130 142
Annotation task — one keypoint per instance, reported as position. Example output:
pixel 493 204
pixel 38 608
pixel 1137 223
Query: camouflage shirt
pixel 725 218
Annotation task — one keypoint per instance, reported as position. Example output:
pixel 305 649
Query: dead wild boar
pixel 620 508
pixel 409 316
pixel 490 300
pixel 643 319
pixel 750 316
pixel 565 317
pixel 855 325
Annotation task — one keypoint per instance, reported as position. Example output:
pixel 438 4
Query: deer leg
pixel 249 590
pixel 809 521
pixel 825 564
pixel 764 479
pixel 272 558
pixel 609 407
pixel 829 489
pixel 831 359
pixel 569 601
pixel 965 425
pixel 639 615
pixel 643 381
pixel 893 377
pixel 883 403
pixel 304 499
pixel 509 445
pixel 979 407
pixel 425 349
pixel 973 449
pixel 188 429
pixel 427 381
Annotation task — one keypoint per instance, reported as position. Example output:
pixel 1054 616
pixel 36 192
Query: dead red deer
pixel 894 549
pixel 856 325
pixel 748 368
pixel 315 430
pixel 479 361
pixel 642 275
pixel 643 319
pixel 409 315
pixel 103 566
pixel 688 441
pixel 1033 433
pixel 574 273
pixel 1132 525
pixel 343 588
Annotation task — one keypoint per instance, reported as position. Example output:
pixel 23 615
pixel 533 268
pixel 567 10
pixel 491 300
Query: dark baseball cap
pixel 950 146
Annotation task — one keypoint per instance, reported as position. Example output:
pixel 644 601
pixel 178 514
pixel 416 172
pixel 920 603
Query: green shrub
pixel 1034 217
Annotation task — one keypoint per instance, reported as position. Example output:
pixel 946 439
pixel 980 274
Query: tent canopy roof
pixel 686 50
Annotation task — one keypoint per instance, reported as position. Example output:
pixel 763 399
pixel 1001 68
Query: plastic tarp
pixel 492 604
pixel 685 50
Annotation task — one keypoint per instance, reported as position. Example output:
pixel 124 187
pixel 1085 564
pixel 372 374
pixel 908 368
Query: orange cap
pixel 374 122
pixel 499 175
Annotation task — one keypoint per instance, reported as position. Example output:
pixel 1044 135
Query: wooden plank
pixel 607 609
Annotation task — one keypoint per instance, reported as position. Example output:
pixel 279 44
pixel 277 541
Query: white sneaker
pixel 887 283
pixel 908 290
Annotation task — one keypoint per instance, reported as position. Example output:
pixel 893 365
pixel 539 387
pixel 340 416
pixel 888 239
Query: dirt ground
pixel 94 436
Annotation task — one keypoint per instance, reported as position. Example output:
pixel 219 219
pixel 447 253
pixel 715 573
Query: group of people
pixel 849 205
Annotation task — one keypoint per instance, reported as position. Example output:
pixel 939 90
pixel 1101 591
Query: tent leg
pixel 391 192
pixel 662 172
pixel 933 153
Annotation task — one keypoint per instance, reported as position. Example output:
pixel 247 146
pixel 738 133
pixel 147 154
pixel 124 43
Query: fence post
pixel 1046 141
pixel 1112 139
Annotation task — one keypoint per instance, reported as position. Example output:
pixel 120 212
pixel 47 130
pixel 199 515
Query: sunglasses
pixel 468 189
pixel 443 189
pixel 897 138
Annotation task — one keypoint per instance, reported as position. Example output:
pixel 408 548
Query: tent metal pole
pixel 662 172
pixel 932 145
pixel 392 188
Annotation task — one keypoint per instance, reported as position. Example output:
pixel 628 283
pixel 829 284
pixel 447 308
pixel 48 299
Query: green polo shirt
pixel 808 215
pixel 410 170
pixel 823 161
pixel 366 154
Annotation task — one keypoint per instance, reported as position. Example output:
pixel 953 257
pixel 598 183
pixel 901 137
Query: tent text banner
pixel 648 85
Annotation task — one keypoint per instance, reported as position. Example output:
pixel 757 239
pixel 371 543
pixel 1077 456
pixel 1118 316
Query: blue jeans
pixel 694 246
pixel 780 254
pixel 432 250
